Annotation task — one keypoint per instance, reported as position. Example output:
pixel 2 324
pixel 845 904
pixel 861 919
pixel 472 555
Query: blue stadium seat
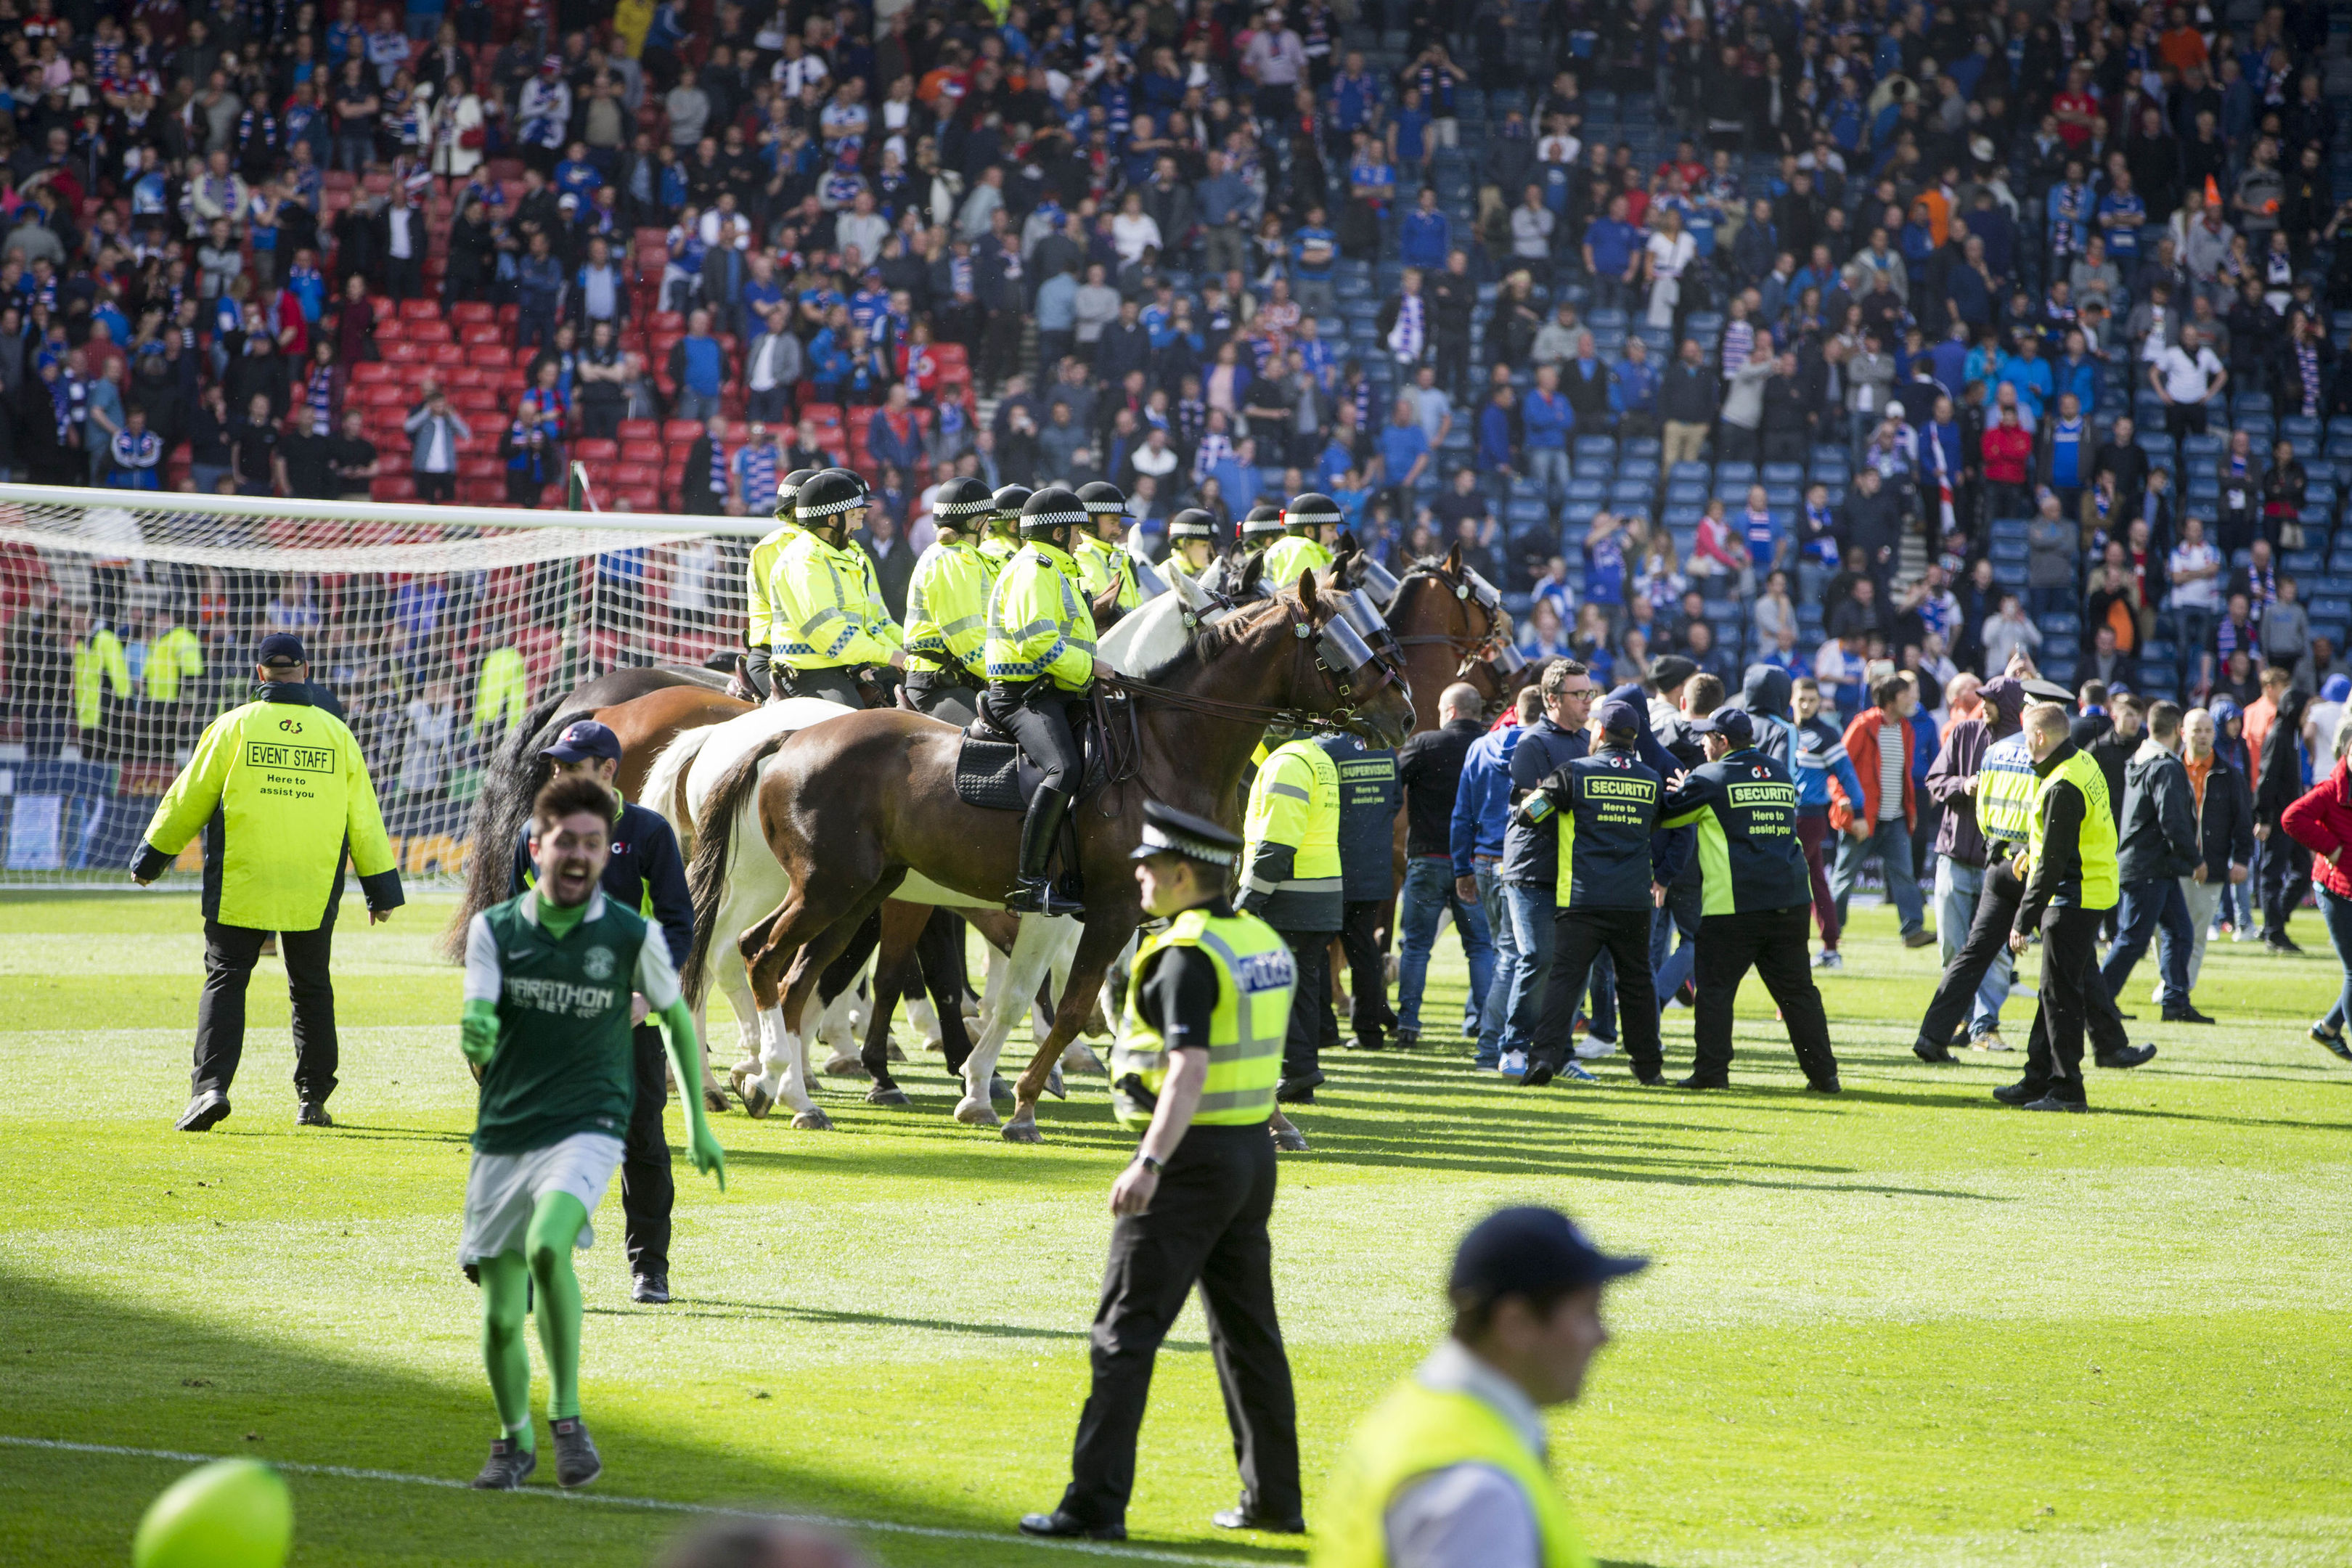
pixel 1632 468
pixel 1687 473
pixel 1595 447
pixel 1648 446
pixel 2246 403
pixel 1743 473
pixel 1691 493
pixel 1629 493
pixel 1582 492
pixel 1602 468
pixel 1784 473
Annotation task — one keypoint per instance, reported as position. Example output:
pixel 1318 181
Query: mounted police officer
pixel 1194 1070
pixel 758 616
pixel 1291 877
pixel 1041 661
pixel 1101 551
pixel 1001 542
pixel 1192 537
pixel 947 608
pixel 831 628
pixel 1259 530
pixel 1310 527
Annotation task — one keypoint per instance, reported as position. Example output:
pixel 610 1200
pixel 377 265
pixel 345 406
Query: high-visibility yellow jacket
pixel 98 663
pixel 278 788
pixel 1286 557
pixel 999 550
pixel 825 607
pixel 175 656
pixel 1418 1431
pixel 759 620
pixel 2094 842
pixel 1099 563
pixel 947 610
pixel 503 684
pixel 1255 977
pixel 1291 859
pixel 1038 623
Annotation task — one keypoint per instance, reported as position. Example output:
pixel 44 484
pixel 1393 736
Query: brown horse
pixel 852 808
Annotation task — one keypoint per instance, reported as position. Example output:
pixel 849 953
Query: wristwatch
pixel 1147 1162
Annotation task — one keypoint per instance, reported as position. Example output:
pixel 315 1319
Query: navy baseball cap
pixel 1732 723
pixel 583 741
pixel 282 647
pixel 1528 1250
pixel 1619 717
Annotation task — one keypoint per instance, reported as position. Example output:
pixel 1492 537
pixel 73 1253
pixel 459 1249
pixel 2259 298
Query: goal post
pixel 133 618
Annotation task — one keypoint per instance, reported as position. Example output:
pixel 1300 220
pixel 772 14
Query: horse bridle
pixel 1473 651
pixel 1338 642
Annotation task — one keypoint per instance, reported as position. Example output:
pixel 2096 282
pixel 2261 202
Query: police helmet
pixel 1102 500
pixel 1262 527
pixel 826 497
pixel 1050 510
pixel 962 503
pixel 1192 523
pixel 1310 510
pixel 1007 503
pixel 789 487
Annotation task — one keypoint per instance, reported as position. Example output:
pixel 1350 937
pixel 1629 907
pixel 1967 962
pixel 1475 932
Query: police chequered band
pixel 1304 519
pixel 829 508
pixel 1051 519
pixel 1157 838
pixel 963 508
pixel 1106 506
pixel 1192 530
pixel 1262 525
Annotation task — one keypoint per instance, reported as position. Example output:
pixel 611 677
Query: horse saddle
pixel 991 773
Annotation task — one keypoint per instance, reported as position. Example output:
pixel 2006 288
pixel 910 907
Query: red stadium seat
pixel 592 450
pixel 392 488
pixel 472 312
pixel 643 452
pixel 368 372
pixel 420 311
pixel 680 430
pixel 639 429
pixel 482 332
pixel 388 328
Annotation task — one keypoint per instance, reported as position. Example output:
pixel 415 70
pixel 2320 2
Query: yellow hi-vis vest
pixel 1038 623
pixel 947 610
pixel 1099 563
pixel 826 608
pixel 171 658
pixel 288 785
pixel 1255 977
pixel 98 663
pixel 2007 787
pixel 1294 801
pixel 2102 885
pixel 759 618
pixel 504 683
pixel 1286 557
pixel 999 548
pixel 1417 1431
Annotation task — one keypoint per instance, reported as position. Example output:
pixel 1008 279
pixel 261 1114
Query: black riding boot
pixel 1035 894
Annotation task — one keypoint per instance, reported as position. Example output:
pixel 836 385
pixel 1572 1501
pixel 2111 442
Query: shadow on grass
pixel 91 1369
pixel 697 1307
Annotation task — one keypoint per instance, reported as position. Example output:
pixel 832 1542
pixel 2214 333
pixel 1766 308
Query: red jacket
pixel 1861 749
pixel 2007 453
pixel 2322 823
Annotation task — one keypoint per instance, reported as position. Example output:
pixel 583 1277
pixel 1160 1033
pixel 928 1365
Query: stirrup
pixel 1039 896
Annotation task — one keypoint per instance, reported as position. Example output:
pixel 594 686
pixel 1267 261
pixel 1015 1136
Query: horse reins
pixel 1473 650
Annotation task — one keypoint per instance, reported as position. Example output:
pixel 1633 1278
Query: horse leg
pixel 845 983
pixel 1034 945
pixel 809 965
pixel 714 1094
pixel 901 928
pixel 938 952
pixel 1107 931
pixel 771 949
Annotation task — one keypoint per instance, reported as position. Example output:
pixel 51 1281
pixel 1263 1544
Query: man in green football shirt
pixel 549 979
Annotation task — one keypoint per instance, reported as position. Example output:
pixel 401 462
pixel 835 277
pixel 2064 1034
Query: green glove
pixel 477 1031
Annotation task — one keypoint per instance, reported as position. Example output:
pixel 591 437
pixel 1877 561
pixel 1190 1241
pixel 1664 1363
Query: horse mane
pixel 1209 642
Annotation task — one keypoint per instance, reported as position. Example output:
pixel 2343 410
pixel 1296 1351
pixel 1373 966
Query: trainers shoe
pixel 2129 1057
pixel 1929 1051
pixel 2186 1014
pixel 1921 938
pixel 576 1463
pixel 1591 1048
pixel 2277 942
pixel 1988 1042
pixel 653 1289
pixel 2052 1103
pixel 204 1113
pixel 1569 1070
pixel 1833 959
pixel 506 1468
pixel 312 1114
pixel 1406 1039
pixel 1514 1064
pixel 2334 1042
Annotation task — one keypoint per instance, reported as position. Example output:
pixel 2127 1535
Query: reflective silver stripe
pixel 824 616
pixel 1257 884
pixel 1233 1099
pixel 1291 790
pixel 961 623
pixel 1080 643
pixel 1031 630
pixel 1251 1045
pixel 1311 885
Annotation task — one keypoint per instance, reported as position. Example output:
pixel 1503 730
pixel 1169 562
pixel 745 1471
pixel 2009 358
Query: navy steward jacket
pixel 645 874
pixel 1530 852
pixel 1369 798
pixel 1606 805
pixel 1744 806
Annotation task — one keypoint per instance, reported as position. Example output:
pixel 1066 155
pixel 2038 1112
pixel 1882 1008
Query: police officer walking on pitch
pixel 1291 878
pixel 947 608
pixel 1757 900
pixel 1450 1470
pixel 280 792
pixel 645 872
pixel 1606 807
pixel 1194 1068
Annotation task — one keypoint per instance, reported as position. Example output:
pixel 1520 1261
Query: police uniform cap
pixel 1010 499
pixel 1262 521
pixel 1530 1251
pixel 787 488
pixel 1101 496
pixel 1311 510
pixel 1051 509
pixel 1732 723
pixel 1192 523
pixel 959 500
pixel 828 493
pixel 1619 717
pixel 1168 831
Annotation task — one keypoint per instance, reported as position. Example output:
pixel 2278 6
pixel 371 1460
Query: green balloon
pixel 231 1514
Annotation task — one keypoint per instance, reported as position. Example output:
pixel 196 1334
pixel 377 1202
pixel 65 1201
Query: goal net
pixel 132 619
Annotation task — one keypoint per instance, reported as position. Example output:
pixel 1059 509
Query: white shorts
pixel 502 1191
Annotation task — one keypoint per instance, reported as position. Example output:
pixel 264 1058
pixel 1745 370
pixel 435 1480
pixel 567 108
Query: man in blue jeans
pixel 1429 765
pixel 1879 743
pixel 1482 809
pixel 1530 870
pixel 2159 847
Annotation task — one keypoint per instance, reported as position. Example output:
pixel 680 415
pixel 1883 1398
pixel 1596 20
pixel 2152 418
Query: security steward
pixel 1370 797
pixel 2071 883
pixel 759 618
pixel 947 608
pixel 645 873
pixel 2006 787
pixel 1310 527
pixel 1041 660
pixel 1194 1068
pixel 1606 807
pixel 1451 1469
pixel 830 630
pixel 1193 537
pixel 280 792
pixel 1001 542
pixel 1101 551
pixel 1291 877
pixel 1756 904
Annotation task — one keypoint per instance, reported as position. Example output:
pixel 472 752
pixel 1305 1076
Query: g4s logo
pixel 289 726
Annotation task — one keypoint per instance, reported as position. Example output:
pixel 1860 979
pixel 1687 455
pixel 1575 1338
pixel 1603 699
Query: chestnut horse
pixel 864 808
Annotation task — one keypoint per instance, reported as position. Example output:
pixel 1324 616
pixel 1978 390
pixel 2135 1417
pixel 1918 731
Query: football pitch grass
pixel 1905 1326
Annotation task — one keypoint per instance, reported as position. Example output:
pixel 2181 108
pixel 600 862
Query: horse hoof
pixel 841 1064
pixel 1021 1132
pixel 1080 1057
pixel 813 1120
pixel 999 1091
pixel 974 1113
pixel 1053 1085
pixel 878 1095
pixel 757 1101
pixel 714 1099
pixel 1289 1139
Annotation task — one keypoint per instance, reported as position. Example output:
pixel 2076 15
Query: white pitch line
pixel 658 1505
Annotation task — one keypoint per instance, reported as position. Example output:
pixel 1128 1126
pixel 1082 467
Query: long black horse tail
pixel 706 873
pixel 509 784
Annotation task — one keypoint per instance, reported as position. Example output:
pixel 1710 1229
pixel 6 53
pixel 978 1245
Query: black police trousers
pixel 835 685
pixel 1777 944
pixel 1312 1020
pixel 2069 978
pixel 1207 1222
pixel 944 697
pixel 230 954
pixel 1988 937
pixel 1042 725
pixel 647 1191
pixel 1367 973
pixel 1579 937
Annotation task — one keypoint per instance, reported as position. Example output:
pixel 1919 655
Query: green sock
pixel 554 1226
pixel 506 1289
